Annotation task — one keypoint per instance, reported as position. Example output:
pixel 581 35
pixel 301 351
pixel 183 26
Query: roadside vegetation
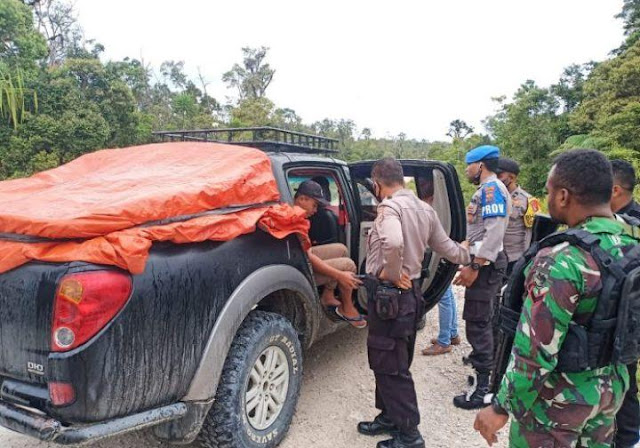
pixel 60 98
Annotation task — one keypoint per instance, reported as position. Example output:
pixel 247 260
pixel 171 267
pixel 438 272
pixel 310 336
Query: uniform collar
pixel 600 224
pixel 631 206
pixel 401 192
pixel 491 178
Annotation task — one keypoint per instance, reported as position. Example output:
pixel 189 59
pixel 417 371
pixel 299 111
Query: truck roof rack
pixel 266 138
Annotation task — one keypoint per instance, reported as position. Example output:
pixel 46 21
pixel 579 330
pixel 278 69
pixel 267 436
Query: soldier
pixel 518 236
pixel 403 229
pixel 562 288
pixel 622 202
pixel 487 218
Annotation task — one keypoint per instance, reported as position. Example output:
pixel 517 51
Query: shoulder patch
pixel 494 203
pixel 532 209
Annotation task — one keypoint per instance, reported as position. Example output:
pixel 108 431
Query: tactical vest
pixel 613 333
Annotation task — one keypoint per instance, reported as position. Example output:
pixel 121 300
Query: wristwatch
pixel 475 266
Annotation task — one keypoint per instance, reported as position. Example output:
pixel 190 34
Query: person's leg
pixel 599 431
pixel 532 434
pixel 454 318
pixel 328 297
pixel 446 312
pixel 397 391
pixel 329 251
pixel 346 307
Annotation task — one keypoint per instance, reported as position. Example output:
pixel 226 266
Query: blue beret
pixel 482 153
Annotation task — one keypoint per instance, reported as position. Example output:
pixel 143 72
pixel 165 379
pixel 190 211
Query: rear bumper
pixel 50 430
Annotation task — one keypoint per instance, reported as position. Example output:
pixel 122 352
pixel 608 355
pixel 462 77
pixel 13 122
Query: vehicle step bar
pixel 48 429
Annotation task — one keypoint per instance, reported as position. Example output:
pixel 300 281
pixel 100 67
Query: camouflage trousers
pixel 568 416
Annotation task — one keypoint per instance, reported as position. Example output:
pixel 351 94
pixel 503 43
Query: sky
pixel 392 66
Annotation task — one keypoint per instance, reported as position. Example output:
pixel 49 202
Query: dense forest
pixel 59 99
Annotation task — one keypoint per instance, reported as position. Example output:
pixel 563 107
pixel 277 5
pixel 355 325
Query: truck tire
pixel 259 388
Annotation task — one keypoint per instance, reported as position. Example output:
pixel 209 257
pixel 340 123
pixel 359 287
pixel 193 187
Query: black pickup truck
pixel 207 344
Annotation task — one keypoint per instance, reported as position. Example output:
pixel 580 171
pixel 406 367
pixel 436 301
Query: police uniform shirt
pixel 632 209
pixel 404 228
pixel 487 218
pixel 518 236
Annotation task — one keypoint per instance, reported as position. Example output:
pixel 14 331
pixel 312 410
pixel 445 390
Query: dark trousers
pixel 628 417
pixel 390 346
pixel 478 313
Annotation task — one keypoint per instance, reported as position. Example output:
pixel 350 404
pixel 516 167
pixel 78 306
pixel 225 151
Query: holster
pixel 386 300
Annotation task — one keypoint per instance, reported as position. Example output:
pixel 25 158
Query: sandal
pixel 356 322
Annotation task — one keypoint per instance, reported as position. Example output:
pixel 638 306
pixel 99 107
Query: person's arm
pixel 494 230
pixel 440 242
pixel 495 219
pixel 390 231
pixel 553 283
pixel 343 277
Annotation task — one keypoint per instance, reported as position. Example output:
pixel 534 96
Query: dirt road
pixel 338 391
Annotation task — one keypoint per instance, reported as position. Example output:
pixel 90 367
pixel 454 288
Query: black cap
pixel 313 190
pixel 506 165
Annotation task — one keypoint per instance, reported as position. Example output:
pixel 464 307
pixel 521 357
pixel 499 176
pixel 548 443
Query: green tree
pixel 529 129
pixel 20 43
pixel 252 78
pixel 459 129
pixel 609 114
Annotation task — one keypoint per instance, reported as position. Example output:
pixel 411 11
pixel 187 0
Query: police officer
pixel 487 218
pixel 562 288
pixel 622 202
pixel 524 206
pixel 402 230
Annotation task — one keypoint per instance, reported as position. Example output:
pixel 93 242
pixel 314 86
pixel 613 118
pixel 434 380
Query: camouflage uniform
pixel 552 409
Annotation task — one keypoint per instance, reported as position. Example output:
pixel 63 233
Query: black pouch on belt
pixel 387 301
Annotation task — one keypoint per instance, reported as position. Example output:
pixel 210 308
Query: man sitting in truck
pixel 331 264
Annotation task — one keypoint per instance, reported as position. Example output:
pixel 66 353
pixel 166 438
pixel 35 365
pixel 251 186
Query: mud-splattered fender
pixel 248 294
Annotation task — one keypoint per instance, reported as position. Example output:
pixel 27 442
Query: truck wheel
pixel 259 387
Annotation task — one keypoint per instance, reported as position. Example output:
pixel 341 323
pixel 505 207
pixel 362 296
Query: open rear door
pixel 435 182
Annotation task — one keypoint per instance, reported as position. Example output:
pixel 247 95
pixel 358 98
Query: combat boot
pixel 479 398
pixel 379 425
pixel 404 439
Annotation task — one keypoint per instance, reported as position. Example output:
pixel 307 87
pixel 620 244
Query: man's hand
pixel 348 280
pixel 404 282
pixel 466 277
pixel 488 423
pixel 465 244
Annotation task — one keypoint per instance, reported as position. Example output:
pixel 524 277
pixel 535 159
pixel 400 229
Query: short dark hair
pixel 491 164
pixel 388 171
pixel 586 173
pixel 624 174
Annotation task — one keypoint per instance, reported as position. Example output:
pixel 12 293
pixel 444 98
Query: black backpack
pixel 613 332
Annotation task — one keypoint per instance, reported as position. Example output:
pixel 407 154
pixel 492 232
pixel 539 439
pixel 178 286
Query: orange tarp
pixel 107 202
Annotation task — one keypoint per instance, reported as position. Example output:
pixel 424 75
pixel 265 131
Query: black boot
pixel 480 398
pixel 379 425
pixel 403 439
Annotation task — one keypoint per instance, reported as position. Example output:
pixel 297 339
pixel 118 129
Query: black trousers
pixel 391 346
pixel 478 313
pixel 628 417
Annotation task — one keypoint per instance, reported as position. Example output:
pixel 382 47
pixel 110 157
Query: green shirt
pixel 562 285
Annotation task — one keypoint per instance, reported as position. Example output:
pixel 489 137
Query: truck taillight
pixel 84 304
